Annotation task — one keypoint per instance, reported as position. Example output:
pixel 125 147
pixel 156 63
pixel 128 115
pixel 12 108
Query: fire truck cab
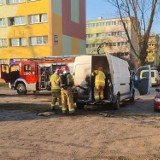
pixel 31 75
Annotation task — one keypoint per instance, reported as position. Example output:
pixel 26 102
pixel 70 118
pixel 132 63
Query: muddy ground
pixel 132 133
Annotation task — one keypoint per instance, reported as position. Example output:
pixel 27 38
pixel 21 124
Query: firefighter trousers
pixel 67 100
pixel 56 97
pixel 98 91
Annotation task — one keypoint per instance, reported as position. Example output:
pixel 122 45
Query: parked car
pixel 155 78
pixel 157 101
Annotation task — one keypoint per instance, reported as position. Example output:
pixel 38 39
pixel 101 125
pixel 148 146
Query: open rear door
pixel 142 80
pixel 5 72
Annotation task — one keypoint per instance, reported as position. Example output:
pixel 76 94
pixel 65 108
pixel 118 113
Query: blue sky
pixel 96 8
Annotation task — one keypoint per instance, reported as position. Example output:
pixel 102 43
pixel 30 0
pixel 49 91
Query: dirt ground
pixel 132 133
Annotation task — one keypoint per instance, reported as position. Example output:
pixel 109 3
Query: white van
pixel 116 70
pixel 155 78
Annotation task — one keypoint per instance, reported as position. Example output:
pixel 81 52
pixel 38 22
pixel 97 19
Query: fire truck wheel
pixel 21 89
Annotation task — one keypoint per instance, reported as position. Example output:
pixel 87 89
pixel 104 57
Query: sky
pixel 96 8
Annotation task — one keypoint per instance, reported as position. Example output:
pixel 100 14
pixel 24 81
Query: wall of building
pixel 153 50
pixel 68 27
pixel 63 33
pixel 24 31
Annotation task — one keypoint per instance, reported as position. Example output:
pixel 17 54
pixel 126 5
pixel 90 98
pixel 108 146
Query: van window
pixel 27 68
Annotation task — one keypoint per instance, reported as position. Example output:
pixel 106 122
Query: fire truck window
pixel 15 68
pixel 27 68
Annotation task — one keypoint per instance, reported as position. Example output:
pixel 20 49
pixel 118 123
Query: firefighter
pixel 55 88
pixel 66 83
pixel 99 83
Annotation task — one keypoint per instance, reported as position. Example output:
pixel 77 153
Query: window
pixel 2 22
pixel 122 44
pixel 119 22
pixel 15 1
pixel 27 68
pixel 108 34
pixel 123 34
pixel 37 18
pixel 16 21
pixel 55 39
pixel 3 43
pixel 20 20
pixel 17 42
pixel 114 33
pixel 40 40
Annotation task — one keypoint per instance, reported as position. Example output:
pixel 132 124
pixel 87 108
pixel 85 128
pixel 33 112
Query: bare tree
pixel 143 12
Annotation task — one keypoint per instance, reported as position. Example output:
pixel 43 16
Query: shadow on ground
pixel 23 111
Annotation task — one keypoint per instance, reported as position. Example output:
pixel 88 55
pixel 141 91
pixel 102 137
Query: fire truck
pixel 33 74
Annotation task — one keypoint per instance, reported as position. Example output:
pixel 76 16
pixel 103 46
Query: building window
pixel 14 1
pixel 37 18
pixel 122 44
pixel 40 40
pixel 3 43
pixel 17 42
pixel 2 22
pixel 55 39
pixel 16 21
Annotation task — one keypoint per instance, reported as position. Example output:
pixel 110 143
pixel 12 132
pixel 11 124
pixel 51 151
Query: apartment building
pixel 35 28
pixel 153 57
pixel 110 33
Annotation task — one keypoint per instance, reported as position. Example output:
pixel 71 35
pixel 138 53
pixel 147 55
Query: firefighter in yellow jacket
pixel 99 83
pixel 55 88
pixel 66 83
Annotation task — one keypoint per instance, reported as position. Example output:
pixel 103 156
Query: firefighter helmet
pixel 65 68
pixel 57 70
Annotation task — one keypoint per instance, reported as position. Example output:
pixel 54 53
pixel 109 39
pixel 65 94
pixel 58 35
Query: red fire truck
pixel 33 74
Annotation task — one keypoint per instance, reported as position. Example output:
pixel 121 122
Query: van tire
pixel 21 89
pixel 116 102
pixel 132 99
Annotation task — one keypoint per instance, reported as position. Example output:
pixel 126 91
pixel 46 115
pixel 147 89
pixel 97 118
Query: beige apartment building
pixel 110 33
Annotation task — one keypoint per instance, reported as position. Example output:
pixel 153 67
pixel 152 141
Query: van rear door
pixel 143 83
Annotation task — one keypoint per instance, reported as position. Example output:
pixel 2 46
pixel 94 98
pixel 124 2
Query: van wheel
pixel 21 89
pixel 80 105
pixel 116 102
pixel 132 99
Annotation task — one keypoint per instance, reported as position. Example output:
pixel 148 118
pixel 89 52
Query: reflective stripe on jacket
pixel 54 79
pixel 100 77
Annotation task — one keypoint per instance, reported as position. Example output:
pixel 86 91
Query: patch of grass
pixel 2 84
